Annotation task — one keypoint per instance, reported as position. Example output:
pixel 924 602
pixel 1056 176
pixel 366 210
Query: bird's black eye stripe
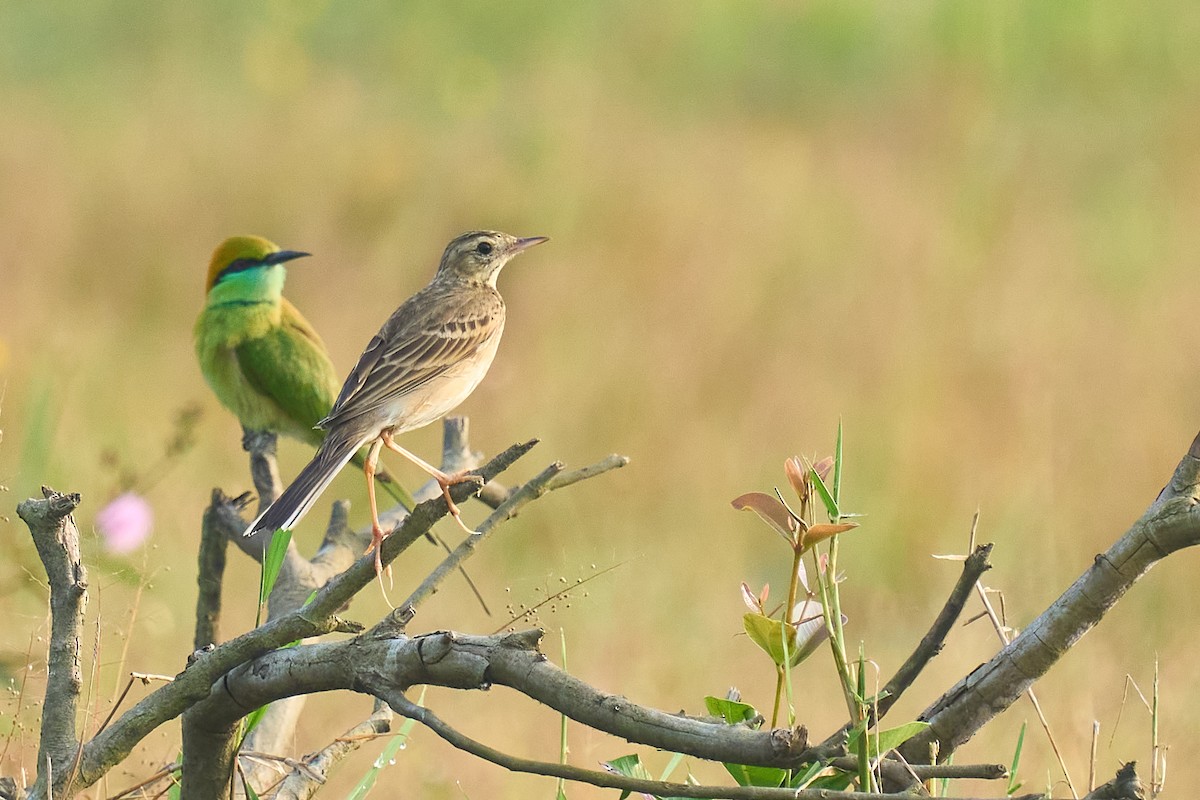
pixel 484 248
pixel 238 265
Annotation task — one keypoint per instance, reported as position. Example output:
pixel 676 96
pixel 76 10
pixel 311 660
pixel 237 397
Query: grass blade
pixel 271 564
pixel 367 782
pixel 837 468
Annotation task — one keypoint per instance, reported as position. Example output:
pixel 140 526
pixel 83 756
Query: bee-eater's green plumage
pixel 262 359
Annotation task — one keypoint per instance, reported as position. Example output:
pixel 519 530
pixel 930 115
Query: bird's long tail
pixel 298 498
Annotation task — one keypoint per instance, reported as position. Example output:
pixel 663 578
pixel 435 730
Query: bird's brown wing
pixel 426 336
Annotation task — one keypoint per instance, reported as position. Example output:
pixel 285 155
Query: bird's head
pixel 239 255
pixel 479 256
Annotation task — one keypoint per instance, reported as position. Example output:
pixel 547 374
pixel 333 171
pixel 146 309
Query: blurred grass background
pixel 967 230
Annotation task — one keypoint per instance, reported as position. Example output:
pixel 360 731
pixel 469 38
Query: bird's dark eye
pixel 484 248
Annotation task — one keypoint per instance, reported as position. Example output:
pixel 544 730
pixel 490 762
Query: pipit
pixel 426 359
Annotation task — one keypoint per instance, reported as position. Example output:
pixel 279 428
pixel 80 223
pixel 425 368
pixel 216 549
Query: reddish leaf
pixel 823 531
pixel 750 600
pixel 771 510
pixel 823 467
pixel 796 477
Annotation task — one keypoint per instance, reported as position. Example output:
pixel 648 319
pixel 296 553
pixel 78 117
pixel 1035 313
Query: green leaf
pixel 630 766
pixel 802 779
pixel 802 640
pixel 768 633
pixel 731 711
pixel 250 793
pixel 1013 785
pixel 671 765
pixel 887 740
pixel 253 718
pixel 176 776
pixel 835 783
pixel 271 564
pixel 944 783
pixel 756 776
pixel 831 506
pixel 367 781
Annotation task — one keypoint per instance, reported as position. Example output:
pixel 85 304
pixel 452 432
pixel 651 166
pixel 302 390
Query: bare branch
pixel 381 664
pixel 613 780
pixel 52 527
pixel 931 644
pixel 606 464
pixel 210 573
pixel 318 617
pixel 299 577
pixel 264 469
pixel 1171 523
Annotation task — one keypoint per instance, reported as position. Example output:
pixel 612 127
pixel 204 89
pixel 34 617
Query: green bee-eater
pixel 262 359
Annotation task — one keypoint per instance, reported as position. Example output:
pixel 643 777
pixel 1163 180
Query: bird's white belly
pixel 443 394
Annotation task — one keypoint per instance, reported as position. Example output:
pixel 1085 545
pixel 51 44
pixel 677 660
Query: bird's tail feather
pixel 299 497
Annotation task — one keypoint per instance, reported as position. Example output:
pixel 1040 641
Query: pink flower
pixel 125 523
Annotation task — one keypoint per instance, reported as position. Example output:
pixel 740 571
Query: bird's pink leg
pixel 377 534
pixel 443 480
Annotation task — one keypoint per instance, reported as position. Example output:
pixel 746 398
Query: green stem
pixel 778 694
pixel 793 585
pixel 833 626
pixel 866 781
pixel 793 590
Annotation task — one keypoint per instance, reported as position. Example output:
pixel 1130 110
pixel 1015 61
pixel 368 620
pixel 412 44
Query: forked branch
pixel 1171 523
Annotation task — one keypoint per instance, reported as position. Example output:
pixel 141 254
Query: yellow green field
pixel 968 231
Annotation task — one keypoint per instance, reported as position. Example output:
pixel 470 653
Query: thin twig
pixel 551 478
pixel 165 772
pixel 530 491
pixel 145 678
pixel 1093 758
pixel 300 766
pixel 933 641
pixel 530 613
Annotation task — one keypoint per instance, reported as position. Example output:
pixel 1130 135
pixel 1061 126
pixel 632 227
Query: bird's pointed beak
pixel 526 243
pixel 284 256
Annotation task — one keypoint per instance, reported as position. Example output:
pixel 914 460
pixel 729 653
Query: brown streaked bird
pixel 426 359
